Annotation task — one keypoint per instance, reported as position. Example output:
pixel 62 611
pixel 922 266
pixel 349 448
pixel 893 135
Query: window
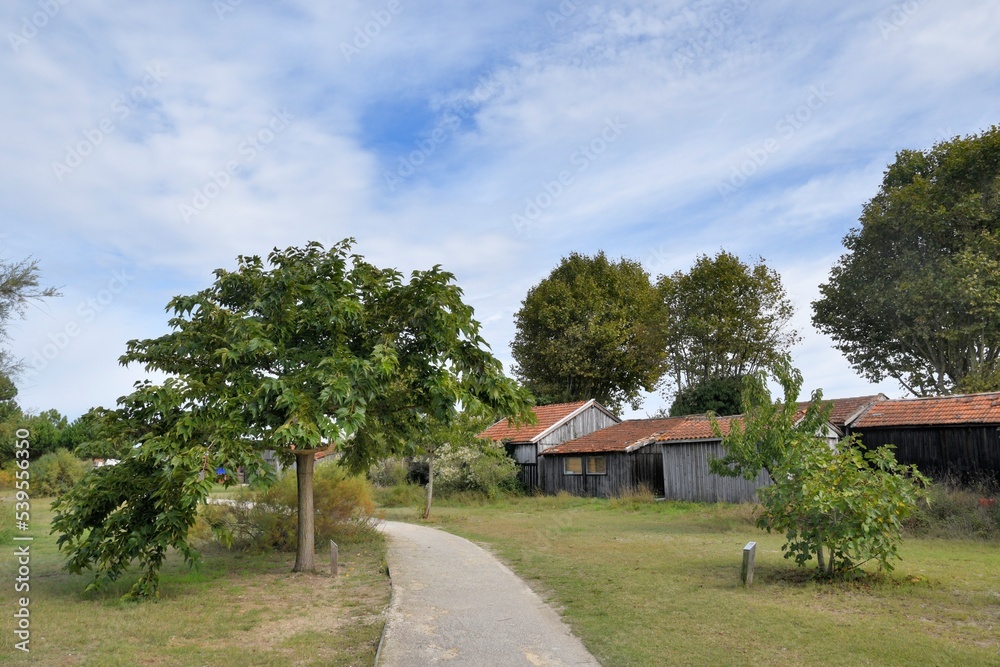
pixel 597 465
pixel 573 465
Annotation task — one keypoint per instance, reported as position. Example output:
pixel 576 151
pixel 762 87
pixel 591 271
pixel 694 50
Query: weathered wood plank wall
pixel 586 422
pixel 966 452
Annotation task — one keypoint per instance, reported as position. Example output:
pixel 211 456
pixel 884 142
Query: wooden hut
pixel 670 456
pixel 556 423
pixel 956 436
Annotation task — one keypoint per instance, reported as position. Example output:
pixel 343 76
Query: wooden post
pixel 333 559
pixel 749 555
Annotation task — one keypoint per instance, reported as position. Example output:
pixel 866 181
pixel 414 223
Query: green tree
pixel 916 297
pixel 837 504
pixel 721 396
pixel 726 319
pixel 19 286
pixel 591 329
pixel 315 350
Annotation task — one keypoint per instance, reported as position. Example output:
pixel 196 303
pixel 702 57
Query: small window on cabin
pixel 573 465
pixel 597 465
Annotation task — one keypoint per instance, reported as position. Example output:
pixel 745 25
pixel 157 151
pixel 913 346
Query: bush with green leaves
pixel 479 467
pixel 268 518
pixel 850 503
pixel 56 473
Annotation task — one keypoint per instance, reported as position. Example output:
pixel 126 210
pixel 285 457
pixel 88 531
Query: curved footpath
pixel 454 603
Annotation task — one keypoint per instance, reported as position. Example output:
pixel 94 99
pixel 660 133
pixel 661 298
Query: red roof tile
pixel 547 415
pixel 620 437
pixel 937 411
pixel 845 408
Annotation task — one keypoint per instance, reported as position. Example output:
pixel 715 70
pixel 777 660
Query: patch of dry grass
pixel 236 608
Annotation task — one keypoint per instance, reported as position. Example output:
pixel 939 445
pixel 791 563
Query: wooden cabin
pixel 556 423
pixel 670 456
pixel 944 436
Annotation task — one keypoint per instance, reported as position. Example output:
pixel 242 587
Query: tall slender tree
pixel 726 319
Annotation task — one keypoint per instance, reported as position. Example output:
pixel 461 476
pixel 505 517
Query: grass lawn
pixel 658 584
pixel 236 609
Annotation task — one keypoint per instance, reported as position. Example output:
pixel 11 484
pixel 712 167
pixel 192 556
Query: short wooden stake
pixel 333 559
pixel 749 555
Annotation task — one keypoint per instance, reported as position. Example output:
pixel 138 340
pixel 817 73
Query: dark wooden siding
pixel 618 478
pixel 527 475
pixel 966 452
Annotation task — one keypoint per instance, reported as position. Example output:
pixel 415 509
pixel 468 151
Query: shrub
pixel 400 495
pixel 56 473
pixel 391 471
pixel 484 469
pixel 268 519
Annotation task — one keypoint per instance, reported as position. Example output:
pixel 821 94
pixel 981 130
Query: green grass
pixel 236 608
pixel 658 584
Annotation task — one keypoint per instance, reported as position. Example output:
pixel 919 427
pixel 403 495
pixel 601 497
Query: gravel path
pixel 454 603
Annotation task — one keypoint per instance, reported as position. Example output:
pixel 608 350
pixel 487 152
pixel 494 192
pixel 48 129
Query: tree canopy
pixel 592 329
pixel 916 297
pixel 313 349
pixel 721 396
pixel 726 319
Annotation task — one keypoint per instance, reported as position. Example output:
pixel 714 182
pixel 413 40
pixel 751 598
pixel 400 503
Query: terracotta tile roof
pixel 547 415
pixel 620 437
pixel 937 411
pixel 846 408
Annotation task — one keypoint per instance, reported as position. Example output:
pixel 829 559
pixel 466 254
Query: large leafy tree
pixel 727 319
pixel 916 297
pixel 311 350
pixel 838 504
pixel 592 329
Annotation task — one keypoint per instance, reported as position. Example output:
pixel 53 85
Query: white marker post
pixel 749 555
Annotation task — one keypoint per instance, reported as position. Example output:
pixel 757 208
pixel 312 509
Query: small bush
pixel 268 519
pixel 7 477
pixel 484 469
pixel 389 472
pixel 400 495
pixel 56 473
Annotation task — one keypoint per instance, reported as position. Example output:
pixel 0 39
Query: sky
pixel 147 144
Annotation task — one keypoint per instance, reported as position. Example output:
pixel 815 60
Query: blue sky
pixel 145 146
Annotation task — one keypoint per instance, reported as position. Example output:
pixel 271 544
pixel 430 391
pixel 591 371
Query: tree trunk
pixel 819 554
pixel 305 556
pixel 430 487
